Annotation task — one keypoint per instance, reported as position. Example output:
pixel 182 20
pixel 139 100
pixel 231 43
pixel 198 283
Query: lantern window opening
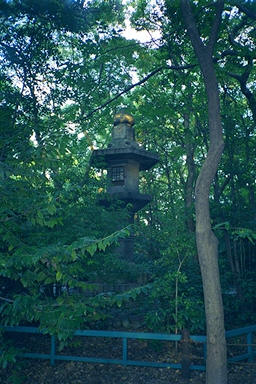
pixel 117 174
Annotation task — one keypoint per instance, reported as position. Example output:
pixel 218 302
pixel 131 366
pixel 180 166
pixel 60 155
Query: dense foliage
pixel 65 69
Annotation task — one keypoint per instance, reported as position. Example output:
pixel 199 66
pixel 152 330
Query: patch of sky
pixel 143 36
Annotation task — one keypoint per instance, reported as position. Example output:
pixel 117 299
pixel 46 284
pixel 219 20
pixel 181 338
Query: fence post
pixel 205 350
pixel 124 350
pixel 249 347
pixel 52 350
pixel 186 353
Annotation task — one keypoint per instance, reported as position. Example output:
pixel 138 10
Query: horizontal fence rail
pixel 125 336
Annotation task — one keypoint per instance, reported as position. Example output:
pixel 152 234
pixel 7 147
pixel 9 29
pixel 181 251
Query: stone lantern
pixel 124 158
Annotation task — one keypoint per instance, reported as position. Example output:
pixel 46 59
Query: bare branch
pixel 243 8
pixel 126 90
pixel 229 52
pixel 245 75
pixel 227 180
pixel 235 76
pixel 5 299
pixel 142 81
pixel 242 79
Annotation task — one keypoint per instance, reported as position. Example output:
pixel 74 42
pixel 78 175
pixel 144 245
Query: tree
pixel 207 244
pixel 53 232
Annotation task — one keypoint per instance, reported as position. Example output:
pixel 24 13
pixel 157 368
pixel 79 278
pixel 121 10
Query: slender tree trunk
pixel 207 243
pixel 189 185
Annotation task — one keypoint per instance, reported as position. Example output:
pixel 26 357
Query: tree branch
pixel 242 8
pixel 123 92
pixel 142 81
pixel 242 79
pixel 225 183
pixel 215 26
pixel 193 30
pixel 191 25
pixel 5 299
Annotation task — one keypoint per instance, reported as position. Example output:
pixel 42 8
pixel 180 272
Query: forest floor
pixel 41 372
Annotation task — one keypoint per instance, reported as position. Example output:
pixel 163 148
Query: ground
pixel 40 372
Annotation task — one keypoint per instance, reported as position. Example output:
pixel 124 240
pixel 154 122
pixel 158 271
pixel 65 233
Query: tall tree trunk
pixel 207 243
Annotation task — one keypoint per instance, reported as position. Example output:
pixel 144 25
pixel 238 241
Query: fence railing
pixel 248 331
pixel 125 336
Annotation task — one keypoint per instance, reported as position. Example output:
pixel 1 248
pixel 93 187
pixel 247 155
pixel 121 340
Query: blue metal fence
pixel 248 331
pixel 125 336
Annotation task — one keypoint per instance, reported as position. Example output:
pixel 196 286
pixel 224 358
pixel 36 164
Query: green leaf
pixel 51 209
pixel 73 255
pixel 92 249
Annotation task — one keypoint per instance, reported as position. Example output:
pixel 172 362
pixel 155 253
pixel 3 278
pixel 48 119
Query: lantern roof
pixel 102 158
pixel 123 146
